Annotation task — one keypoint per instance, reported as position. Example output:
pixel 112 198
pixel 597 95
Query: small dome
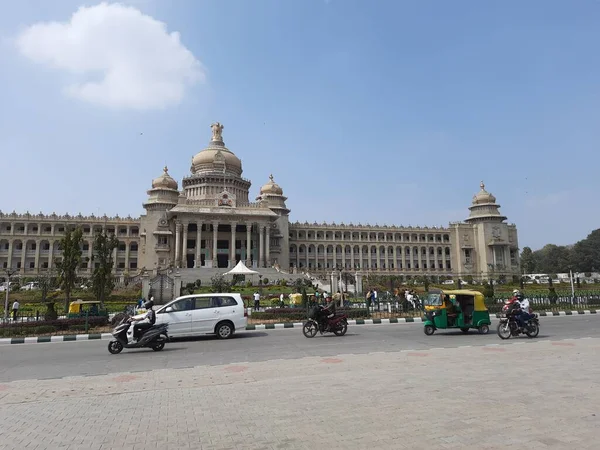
pixel 483 196
pixel 165 181
pixel 271 188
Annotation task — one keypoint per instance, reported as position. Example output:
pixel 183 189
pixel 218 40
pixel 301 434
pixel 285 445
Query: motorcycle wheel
pixel 504 330
pixel 533 330
pixel 115 347
pixel 158 346
pixel 341 330
pixel 310 329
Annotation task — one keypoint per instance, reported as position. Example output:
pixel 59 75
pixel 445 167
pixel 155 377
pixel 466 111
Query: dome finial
pixel 482 185
pixel 271 178
pixel 166 170
pixel 217 130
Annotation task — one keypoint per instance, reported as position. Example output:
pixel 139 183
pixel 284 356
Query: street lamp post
pixel 9 273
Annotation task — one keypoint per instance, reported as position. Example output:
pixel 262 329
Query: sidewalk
pixel 268 326
pixel 497 396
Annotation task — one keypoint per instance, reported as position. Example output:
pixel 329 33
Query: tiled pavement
pixel 530 394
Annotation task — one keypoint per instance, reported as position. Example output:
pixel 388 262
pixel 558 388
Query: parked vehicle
pixel 319 322
pixel 199 314
pixel 155 337
pixel 463 309
pixel 80 308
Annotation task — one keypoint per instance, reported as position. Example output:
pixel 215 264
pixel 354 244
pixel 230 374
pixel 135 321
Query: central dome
pixel 216 157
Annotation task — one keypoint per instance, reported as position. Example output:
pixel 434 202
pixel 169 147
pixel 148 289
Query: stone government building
pixel 211 224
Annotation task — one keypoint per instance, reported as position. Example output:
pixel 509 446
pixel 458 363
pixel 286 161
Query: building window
pixel 19 246
pixel 32 265
pixel 44 265
pixel 448 265
pixel 18 264
pixel 86 247
pixel 61 229
pixel 134 247
pixel 468 256
pixel 121 265
pixel 133 265
pixel 513 258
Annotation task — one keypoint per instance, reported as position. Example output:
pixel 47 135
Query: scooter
pixel 155 337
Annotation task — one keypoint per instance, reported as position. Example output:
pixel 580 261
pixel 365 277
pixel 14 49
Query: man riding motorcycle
pixel 523 316
pixel 139 325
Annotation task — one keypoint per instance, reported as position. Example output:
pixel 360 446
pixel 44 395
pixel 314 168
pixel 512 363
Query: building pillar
pixel 50 254
pixel 114 256
pixel 177 243
pixel 23 254
pixel 343 256
pixel 184 246
pixel 199 245
pixel 261 246
pixel 90 256
pixel 360 255
pixel 215 225
pixel 268 248
pixel 395 256
pixel 127 246
pixel 378 267
pixel 37 254
pixel 232 245
pixel 334 254
pixel 248 243
pixel 10 252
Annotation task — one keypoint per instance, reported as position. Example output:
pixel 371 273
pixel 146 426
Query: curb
pixel 276 326
pixel 268 326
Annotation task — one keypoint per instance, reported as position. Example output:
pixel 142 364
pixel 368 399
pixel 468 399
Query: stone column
pixel 358 283
pixel 90 255
pixel 215 225
pixel 198 245
pixel 50 254
pixel 177 243
pixel 184 246
pixel 232 245
pixel 248 243
pixel 114 256
pixel 37 254
pixel 23 255
pixel 378 258
pixel 360 255
pixel 261 246
pixel 343 256
pixel 334 254
pixel 10 252
pixel 127 246
pixel 395 256
pixel 268 248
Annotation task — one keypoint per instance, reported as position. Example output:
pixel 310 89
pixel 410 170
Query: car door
pixel 204 315
pixel 227 306
pixel 179 317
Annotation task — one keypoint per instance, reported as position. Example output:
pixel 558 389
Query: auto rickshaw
pixel 80 308
pixel 463 309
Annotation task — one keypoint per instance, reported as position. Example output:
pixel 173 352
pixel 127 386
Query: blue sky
pixel 380 112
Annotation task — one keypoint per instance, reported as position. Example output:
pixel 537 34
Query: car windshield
pixel 433 300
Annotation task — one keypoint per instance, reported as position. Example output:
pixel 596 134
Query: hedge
pixel 299 314
pixel 59 324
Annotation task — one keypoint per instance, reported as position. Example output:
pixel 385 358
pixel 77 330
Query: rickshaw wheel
pixel 464 330
pixel 484 329
pixel 428 330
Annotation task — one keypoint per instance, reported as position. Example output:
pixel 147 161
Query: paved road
pixel 542 395
pixel 55 360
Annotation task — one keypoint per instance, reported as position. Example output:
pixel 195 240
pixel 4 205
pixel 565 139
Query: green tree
pixel 586 253
pixel 46 284
pixel 70 245
pixel 528 261
pixel 103 282
pixel 220 284
pixel 190 288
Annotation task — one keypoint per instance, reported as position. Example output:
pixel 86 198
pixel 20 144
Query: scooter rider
pixel 145 322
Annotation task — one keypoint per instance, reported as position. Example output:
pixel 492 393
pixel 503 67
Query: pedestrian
pixel 281 302
pixel 15 310
pixel 256 301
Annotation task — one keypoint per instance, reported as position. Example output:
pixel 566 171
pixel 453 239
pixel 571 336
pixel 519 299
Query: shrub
pixel 45 329
pixel 265 281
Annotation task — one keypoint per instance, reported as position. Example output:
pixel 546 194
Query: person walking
pixel 15 310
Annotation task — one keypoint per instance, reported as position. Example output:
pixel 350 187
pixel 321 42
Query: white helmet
pixel 516 292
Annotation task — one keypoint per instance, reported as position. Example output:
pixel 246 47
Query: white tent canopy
pixel 241 269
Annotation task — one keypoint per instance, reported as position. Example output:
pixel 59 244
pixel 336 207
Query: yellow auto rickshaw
pixel 463 309
pixel 80 308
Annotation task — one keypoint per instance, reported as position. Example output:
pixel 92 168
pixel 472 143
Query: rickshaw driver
pixel 452 310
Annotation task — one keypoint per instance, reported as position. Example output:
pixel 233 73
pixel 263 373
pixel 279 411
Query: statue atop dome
pixel 217 132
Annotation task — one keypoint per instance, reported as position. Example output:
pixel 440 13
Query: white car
pixel 198 314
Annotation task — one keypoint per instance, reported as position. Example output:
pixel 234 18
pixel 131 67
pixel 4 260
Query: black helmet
pixel 149 304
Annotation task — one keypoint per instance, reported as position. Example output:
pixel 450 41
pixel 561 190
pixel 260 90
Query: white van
pixel 198 314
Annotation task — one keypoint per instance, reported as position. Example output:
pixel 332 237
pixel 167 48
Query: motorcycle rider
pixel 327 312
pixel 523 315
pixel 139 325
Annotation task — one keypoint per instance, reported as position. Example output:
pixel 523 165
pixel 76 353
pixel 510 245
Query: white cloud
pixel 121 57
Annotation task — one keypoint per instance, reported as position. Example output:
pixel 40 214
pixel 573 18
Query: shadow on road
pixel 212 337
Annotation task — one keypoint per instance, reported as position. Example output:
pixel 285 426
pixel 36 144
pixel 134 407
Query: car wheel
pixel 224 330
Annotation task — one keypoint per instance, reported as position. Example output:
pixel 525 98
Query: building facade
pixel 212 223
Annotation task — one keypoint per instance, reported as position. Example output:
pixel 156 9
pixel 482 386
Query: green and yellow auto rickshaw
pixel 80 308
pixel 463 309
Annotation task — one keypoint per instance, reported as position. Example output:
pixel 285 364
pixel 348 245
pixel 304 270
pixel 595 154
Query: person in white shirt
pixel 281 303
pixel 15 310
pixel 256 301
pixel 524 316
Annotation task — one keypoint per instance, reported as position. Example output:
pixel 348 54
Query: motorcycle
pixel 509 323
pixel 155 337
pixel 338 324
